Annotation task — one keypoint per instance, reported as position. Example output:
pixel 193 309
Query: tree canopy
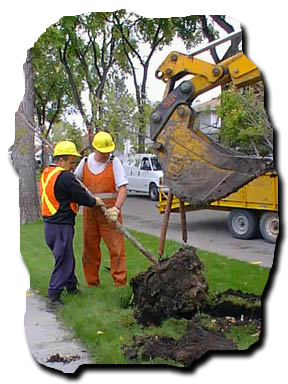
pixel 80 65
pixel 244 121
pixel 75 61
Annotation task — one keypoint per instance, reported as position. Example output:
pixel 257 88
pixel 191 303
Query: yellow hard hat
pixel 65 148
pixel 103 142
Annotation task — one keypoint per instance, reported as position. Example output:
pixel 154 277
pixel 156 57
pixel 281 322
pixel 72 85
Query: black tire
pixel 153 192
pixel 243 224
pixel 269 226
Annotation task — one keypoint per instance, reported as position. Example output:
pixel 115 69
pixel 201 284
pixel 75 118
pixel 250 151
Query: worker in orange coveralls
pixel 105 177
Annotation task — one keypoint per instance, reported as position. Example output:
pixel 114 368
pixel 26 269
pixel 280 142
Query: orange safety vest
pixel 49 204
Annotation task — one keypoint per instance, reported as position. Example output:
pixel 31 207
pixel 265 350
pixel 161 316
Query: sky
pixel 265 32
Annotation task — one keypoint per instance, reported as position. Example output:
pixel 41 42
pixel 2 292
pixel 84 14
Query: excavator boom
pixel 196 168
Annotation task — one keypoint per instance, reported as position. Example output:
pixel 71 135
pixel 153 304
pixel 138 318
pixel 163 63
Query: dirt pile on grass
pixel 174 287
pixel 195 343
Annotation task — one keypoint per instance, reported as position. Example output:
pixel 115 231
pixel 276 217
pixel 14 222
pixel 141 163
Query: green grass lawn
pixel 102 317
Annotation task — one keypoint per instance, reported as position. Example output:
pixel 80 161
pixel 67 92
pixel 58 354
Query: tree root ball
pixel 174 287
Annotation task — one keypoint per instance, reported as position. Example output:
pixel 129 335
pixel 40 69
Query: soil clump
pixel 195 343
pixel 174 287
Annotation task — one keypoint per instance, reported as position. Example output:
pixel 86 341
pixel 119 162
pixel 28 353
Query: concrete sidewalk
pixel 47 338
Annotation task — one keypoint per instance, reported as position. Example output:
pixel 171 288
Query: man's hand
pixel 112 214
pixel 99 202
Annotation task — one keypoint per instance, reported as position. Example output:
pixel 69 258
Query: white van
pixel 144 174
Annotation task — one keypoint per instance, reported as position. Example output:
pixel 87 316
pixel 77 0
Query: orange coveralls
pixel 95 227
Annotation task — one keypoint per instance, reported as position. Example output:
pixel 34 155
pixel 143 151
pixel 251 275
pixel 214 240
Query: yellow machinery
pixel 197 169
pixel 253 208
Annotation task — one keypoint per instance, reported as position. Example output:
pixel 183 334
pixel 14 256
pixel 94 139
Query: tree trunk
pixel 24 151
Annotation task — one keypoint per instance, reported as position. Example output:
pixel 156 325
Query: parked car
pixel 145 175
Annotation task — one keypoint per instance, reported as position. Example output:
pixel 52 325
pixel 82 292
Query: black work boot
pixel 73 291
pixel 54 302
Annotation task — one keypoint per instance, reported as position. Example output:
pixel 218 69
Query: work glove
pixel 112 214
pixel 99 202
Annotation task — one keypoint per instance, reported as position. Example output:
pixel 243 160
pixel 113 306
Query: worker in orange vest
pixel 105 177
pixel 60 195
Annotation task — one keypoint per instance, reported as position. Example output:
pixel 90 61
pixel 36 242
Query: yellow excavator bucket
pixel 197 169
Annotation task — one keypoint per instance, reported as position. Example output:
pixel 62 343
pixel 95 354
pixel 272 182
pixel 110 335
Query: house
pixel 206 119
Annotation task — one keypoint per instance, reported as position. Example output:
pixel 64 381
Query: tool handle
pixel 134 241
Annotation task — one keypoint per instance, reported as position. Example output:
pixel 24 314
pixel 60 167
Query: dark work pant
pixel 59 238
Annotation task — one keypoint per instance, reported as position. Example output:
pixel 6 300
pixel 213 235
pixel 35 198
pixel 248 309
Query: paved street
pixel 207 230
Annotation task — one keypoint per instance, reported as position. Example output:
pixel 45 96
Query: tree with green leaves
pixel 90 51
pixel 84 49
pixel 118 108
pixel 53 94
pixel 153 34
pixel 66 131
pixel 78 54
pixel 138 32
pixel 244 121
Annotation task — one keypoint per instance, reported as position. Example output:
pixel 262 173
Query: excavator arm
pixel 196 168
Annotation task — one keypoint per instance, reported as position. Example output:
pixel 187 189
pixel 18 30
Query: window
pixel 145 164
pixel 155 164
